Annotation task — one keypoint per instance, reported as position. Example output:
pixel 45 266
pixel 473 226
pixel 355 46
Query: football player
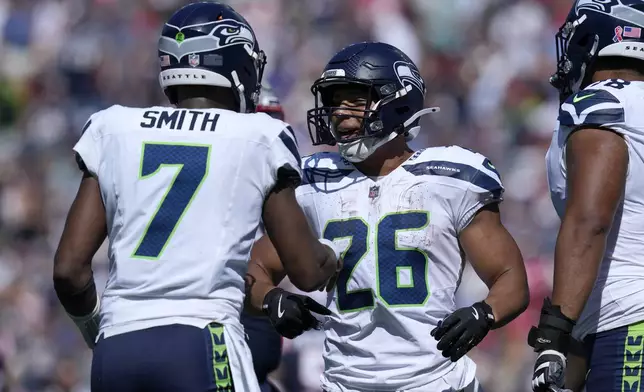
pixel 179 193
pixel 595 164
pixel 405 221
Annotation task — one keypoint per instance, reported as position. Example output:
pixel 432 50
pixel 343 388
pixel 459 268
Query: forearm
pixel 508 296
pixel 324 268
pixel 327 264
pixel 578 254
pixel 75 288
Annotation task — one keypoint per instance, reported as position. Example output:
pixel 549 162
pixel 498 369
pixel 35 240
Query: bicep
pixel 85 228
pixel 597 165
pixel 489 246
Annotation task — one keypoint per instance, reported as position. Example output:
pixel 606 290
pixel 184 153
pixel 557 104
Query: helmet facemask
pixel 374 131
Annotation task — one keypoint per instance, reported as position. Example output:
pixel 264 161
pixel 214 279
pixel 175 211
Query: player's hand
pixel 290 313
pixel 551 340
pixel 549 371
pixel 459 332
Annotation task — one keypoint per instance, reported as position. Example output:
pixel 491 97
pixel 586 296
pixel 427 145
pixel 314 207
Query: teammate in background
pixel 595 165
pixel 179 193
pixel 404 220
pixel 264 342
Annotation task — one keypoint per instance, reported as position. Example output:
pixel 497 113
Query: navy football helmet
pixel 210 44
pixel 269 103
pixel 394 104
pixel 596 28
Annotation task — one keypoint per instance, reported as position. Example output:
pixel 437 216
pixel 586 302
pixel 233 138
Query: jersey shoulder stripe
pixel 87 125
pixel 325 167
pixel 594 106
pixel 292 132
pixel 458 163
pixel 457 171
pixel 291 144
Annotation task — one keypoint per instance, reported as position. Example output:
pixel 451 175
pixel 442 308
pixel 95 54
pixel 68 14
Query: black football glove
pixel 551 340
pixel 290 313
pixel 459 332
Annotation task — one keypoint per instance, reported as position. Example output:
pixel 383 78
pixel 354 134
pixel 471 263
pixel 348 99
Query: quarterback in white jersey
pixel 404 221
pixel 179 193
pixel 595 168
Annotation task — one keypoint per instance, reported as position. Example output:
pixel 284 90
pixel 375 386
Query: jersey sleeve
pixel 602 105
pixel 484 188
pixel 597 106
pixel 284 159
pixel 88 148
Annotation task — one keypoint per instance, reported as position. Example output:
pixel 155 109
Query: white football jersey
pixel 617 298
pixel 402 263
pixel 183 191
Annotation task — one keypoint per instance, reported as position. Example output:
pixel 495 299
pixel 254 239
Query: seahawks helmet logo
pixel 224 33
pixel 605 6
pixel 408 74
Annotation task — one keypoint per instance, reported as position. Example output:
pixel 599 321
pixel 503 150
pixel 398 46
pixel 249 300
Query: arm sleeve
pixel 88 147
pixel 484 188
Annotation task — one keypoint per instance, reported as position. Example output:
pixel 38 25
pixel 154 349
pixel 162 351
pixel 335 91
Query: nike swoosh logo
pixel 475 313
pixel 577 98
pixel 280 312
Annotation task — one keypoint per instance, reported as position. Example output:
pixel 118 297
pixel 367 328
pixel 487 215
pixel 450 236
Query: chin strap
pixel 239 88
pixel 411 133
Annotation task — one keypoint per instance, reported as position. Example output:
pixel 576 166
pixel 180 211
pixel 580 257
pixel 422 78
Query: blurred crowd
pixel 486 64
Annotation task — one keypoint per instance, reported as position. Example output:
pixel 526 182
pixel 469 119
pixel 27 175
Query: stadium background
pixel 486 64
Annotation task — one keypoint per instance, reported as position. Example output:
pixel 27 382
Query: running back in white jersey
pixel 617 298
pixel 183 193
pixel 402 263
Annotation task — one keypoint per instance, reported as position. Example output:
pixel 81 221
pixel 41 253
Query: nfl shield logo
pixel 374 191
pixel 193 60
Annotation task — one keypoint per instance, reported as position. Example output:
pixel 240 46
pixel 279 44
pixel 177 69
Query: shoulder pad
pixel 100 118
pixel 453 153
pixel 325 166
pixel 325 160
pixel 596 105
pixel 271 128
pixel 459 163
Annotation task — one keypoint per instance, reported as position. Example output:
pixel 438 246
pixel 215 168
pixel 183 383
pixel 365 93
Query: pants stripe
pixel 633 348
pixel 220 362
